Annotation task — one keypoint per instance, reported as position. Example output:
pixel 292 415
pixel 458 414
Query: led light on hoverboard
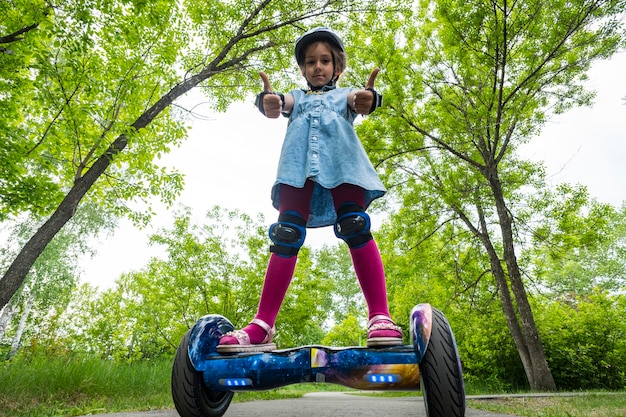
pixel 236 382
pixel 383 378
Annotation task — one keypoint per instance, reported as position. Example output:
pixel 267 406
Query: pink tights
pixel 368 265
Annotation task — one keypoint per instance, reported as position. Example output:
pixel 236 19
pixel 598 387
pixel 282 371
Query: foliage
pixel 335 263
pixel 487 352
pixel 97 85
pixel 578 244
pixel 84 71
pixel 48 288
pixel 218 268
pixel 349 332
pixel 445 271
pixel 585 340
pixel 467 84
pixel 215 268
pixel 573 233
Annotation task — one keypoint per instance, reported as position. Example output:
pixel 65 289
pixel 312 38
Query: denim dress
pixel 321 145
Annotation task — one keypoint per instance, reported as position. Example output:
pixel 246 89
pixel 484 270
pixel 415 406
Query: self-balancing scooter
pixel 204 381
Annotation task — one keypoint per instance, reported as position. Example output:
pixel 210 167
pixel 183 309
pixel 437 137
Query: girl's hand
pixel 272 104
pixel 361 100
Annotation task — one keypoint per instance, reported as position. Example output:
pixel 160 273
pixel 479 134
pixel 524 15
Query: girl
pixel 324 178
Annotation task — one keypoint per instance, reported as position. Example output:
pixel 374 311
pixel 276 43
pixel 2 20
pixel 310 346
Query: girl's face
pixel 319 68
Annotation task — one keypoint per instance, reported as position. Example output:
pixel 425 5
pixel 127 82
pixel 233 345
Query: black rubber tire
pixel 191 397
pixel 441 374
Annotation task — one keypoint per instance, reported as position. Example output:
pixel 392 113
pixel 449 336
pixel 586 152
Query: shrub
pixel 585 340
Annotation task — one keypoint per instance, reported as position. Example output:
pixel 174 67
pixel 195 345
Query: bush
pixel 585 340
pixel 490 359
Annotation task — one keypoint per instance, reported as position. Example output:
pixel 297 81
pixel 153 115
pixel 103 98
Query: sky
pixel 230 160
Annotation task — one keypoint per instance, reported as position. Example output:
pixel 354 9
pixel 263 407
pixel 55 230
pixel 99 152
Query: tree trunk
pixel 517 312
pixel 6 314
pixel 15 345
pixel 504 293
pixel 538 372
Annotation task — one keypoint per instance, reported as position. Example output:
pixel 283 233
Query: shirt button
pixel 314 138
pixel 314 121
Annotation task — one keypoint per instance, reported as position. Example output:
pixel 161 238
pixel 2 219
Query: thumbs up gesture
pixel 272 103
pixel 366 101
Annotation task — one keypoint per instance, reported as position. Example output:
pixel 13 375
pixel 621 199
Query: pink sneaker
pixel 382 331
pixel 238 341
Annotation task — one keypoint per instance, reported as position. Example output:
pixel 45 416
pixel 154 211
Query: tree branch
pixel 16 36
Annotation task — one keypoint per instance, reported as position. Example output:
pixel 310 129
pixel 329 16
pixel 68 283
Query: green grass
pixel 80 385
pixel 76 386
pixel 610 404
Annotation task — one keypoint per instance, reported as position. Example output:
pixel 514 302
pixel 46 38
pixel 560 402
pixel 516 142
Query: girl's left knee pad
pixel 353 225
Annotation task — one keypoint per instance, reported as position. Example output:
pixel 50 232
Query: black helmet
pixel 314 35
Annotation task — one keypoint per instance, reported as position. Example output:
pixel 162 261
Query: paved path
pixel 322 404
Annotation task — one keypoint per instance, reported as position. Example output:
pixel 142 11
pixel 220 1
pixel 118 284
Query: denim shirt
pixel 321 145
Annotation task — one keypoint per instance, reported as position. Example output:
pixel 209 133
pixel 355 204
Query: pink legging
pixel 299 199
pixel 368 265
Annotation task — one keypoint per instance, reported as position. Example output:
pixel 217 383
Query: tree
pixel 578 245
pixel 91 91
pixel 212 268
pixel 48 286
pixel 467 83
pixel 334 263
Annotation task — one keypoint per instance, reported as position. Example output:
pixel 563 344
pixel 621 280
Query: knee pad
pixel 353 225
pixel 288 234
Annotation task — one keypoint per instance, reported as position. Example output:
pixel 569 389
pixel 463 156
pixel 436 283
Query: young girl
pixel 324 178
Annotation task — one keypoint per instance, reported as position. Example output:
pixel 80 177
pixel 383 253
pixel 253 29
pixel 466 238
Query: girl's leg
pixel 369 269
pixel 368 266
pixel 280 268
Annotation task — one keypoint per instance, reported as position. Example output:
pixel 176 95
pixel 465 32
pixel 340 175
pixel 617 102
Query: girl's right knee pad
pixel 288 234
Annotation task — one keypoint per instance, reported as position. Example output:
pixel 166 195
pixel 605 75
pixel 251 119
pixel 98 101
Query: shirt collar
pixel 322 89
